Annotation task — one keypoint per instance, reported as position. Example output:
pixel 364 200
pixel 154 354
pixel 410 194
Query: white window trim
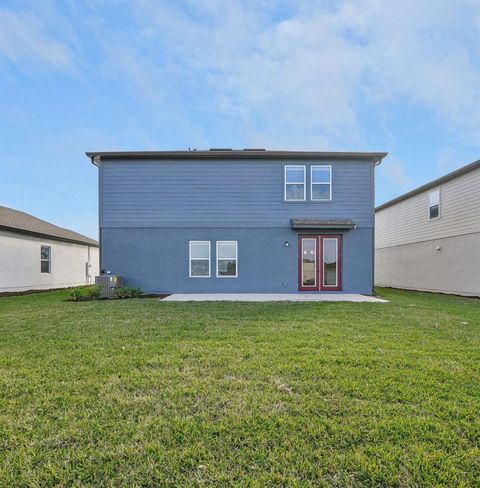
pixel 190 259
pixel 304 183
pixel 329 199
pixel 49 260
pixel 323 262
pixel 439 204
pixel 227 259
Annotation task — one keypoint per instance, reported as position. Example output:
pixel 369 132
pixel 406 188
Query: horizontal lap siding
pixel 226 193
pixel 407 221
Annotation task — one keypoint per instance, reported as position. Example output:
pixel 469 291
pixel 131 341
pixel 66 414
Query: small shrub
pixel 84 293
pixel 76 294
pixel 94 292
pixel 127 292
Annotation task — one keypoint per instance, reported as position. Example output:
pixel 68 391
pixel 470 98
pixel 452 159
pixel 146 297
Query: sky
pixel 399 76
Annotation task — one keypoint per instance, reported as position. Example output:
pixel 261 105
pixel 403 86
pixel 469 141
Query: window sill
pixel 308 201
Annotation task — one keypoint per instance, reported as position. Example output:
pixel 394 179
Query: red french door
pixel 320 262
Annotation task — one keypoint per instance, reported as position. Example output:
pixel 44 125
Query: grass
pixel 148 393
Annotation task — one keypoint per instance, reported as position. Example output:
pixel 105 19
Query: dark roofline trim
pixel 95 157
pixel 431 184
pixel 48 236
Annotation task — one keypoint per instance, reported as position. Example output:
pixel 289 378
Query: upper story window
pixel 295 183
pixel 321 182
pixel 434 204
pixel 45 259
pixel 199 257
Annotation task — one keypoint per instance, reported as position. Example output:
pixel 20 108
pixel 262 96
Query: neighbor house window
pixel 227 259
pixel 321 182
pixel 295 183
pixel 199 257
pixel 45 259
pixel 434 204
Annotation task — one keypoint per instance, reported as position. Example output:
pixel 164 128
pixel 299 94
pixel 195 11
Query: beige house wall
pixel 447 265
pixel 440 255
pixel 71 264
pixel 407 221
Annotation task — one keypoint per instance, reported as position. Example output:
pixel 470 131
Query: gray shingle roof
pixel 21 222
pixel 322 224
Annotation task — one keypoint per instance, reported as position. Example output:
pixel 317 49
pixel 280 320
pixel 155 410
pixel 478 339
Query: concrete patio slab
pixel 272 297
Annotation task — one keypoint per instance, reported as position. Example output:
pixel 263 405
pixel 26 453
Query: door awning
pixel 323 224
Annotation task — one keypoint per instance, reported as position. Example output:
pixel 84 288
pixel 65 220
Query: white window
pixel 45 259
pixel 199 257
pixel 321 182
pixel 434 204
pixel 295 183
pixel 227 259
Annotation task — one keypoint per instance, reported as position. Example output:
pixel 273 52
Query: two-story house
pixel 429 238
pixel 246 221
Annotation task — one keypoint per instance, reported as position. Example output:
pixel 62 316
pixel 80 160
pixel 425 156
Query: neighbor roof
pixel 235 154
pixel 23 223
pixel 431 184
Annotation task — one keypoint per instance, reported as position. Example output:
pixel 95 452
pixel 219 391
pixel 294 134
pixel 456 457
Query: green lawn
pixel 148 393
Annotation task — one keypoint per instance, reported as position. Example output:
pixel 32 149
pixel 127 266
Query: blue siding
pixel 156 259
pixel 225 194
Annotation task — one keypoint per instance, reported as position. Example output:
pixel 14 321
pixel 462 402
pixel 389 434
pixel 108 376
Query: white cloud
pixel 291 74
pixel 301 78
pixel 423 52
pixel 23 36
pixel 448 160
pixel 289 79
pixel 395 174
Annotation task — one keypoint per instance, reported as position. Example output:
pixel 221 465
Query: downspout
pixel 89 276
pixel 373 224
pixel 375 163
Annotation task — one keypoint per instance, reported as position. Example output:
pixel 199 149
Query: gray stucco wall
pixel 156 259
pixel 453 268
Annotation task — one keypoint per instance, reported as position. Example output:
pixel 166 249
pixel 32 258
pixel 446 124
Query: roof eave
pixel 96 157
pixel 48 236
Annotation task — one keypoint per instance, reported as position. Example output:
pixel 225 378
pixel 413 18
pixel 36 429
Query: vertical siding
pixel 224 193
pixel 407 221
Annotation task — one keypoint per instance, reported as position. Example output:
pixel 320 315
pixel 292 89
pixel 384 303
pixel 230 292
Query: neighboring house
pixel 238 220
pixel 429 238
pixel 37 255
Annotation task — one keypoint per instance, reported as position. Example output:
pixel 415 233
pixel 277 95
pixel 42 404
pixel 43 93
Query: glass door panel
pixel 320 262
pixel 330 262
pixel 309 262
